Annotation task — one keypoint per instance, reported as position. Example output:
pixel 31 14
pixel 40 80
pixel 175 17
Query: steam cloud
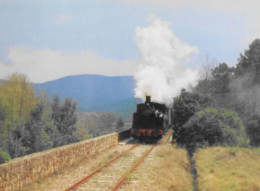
pixel 246 94
pixel 161 73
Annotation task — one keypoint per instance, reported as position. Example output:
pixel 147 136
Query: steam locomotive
pixel 149 120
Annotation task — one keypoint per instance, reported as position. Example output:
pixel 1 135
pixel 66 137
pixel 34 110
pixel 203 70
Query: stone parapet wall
pixel 22 171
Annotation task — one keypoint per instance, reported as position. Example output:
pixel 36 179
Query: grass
pixel 172 170
pixel 105 159
pixel 166 137
pixel 38 180
pixel 228 169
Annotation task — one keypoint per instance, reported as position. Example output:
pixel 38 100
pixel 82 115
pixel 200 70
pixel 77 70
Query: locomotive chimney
pixel 148 99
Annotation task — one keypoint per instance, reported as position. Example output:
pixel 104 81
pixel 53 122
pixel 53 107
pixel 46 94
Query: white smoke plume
pixel 161 73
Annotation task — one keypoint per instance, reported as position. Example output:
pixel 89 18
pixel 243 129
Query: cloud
pixel 42 65
pixel 162 56
pixel 161 73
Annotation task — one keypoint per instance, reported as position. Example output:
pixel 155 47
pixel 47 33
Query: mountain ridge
pixel 94 92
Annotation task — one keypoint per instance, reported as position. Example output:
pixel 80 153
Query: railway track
pixel 112 175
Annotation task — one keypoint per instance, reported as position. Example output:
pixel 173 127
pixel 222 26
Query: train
pixel 149 120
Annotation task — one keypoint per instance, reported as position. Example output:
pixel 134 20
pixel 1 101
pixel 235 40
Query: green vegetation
pixel 229 169
pixel 38 180
pixel 17 99
pixel 4 156
pixel 224 107
pixel 253 129
pixel 31 124
pixel 236 89
pixel 185 105
pixel 213 126
pixel 91 124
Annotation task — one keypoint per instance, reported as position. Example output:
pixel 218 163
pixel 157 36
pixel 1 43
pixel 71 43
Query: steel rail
pixel 85 179
pixel 121 181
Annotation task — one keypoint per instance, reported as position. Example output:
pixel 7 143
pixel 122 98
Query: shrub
pixel 213 126
pixel 184 107
pixel 4 156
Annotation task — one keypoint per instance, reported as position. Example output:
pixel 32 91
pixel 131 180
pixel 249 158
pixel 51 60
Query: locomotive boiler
pixel 149 120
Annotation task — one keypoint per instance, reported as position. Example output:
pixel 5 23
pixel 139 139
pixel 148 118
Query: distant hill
pixel 95 92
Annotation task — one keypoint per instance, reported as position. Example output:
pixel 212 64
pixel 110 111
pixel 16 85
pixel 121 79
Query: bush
pixel 253 130
pixel 213 126
pixel 4 157
pixel 184 107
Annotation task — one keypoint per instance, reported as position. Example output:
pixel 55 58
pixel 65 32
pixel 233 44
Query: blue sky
pixel 38 36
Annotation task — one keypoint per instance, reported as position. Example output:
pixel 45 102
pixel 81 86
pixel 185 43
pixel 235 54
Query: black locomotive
pixel 149 120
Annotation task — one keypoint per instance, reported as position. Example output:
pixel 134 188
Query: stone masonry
pixel 22 171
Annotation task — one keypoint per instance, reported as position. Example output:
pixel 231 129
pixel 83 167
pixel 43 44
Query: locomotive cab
pixel 148 120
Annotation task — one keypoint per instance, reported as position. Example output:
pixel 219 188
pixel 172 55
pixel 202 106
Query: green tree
pixel 17 97
pixel 64 117
pixel 205 82
pixel 46 118
pixel 36 133
pixel 249 63
pixel 2 120
pixel 222 75
pixel 216 84
pixel 246 84
pixel 14 139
